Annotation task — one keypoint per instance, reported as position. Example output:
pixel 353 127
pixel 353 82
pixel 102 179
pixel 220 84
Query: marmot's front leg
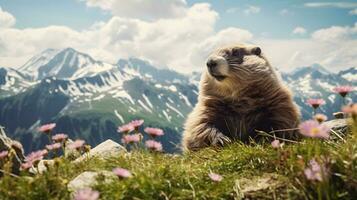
pixel 203 136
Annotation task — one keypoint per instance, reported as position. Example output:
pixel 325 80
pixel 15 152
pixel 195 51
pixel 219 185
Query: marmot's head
pixel 238 62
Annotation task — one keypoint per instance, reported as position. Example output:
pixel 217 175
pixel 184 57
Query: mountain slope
pixel 63 64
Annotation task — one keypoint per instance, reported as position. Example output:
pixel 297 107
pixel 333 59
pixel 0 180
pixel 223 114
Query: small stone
pixel 339 115
pixel 340 126
pixel 89 179
pixel 42 166
pixel 106 149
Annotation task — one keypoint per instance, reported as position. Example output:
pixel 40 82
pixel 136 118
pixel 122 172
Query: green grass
pixel 164 176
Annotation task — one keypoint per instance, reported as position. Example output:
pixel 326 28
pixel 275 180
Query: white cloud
pixel 299 30
pixel 6 19
pixel 252 10
pixel 334 33
pixel 333 47
pixel 353 12
pixel 142 9
pixel 181 43
pixel 331 4
pixel 166 42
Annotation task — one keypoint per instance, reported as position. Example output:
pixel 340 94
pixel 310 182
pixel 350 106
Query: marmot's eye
pixel 235 52
pixel 257 51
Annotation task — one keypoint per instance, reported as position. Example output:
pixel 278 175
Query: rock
pixel 106 149
pixel 7 144
pixel 253 187
pixel 89 179
pixel 339 115
pixel 42 166
pixel 339 126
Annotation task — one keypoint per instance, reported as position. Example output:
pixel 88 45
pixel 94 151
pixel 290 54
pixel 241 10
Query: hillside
pixel 237 171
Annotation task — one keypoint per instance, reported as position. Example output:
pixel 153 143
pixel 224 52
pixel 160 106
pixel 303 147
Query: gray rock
pixel 253 187
pixel 8 144
pixel 106 149
pixel 89 179
pixel 339 127
pixel 42 166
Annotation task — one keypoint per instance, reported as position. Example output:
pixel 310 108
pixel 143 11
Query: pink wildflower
pixel 26 165
pixel 47 128
pixel 315 103
pixel 126 128
pixel 60 137
pixel 343 90
pixel 36 156
pixel 154 132
pixel 215 177
pixel 76 144
pixel 315 172
pixel 153 145
pixel 320 117
pixel 3 154
pixel 312 128
pixel 131 138
pixel 86 194
pixel 122 173
pixel 276 144
pixel 136 123
pixel 53 146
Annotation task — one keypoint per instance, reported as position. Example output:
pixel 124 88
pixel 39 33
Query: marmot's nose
pixel 211 64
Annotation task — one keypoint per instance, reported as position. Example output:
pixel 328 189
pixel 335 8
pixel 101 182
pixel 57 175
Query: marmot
pixel 239 93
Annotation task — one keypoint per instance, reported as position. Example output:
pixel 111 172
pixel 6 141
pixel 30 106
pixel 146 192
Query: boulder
pixel 106 149
pixel 89 179
pixel 7 144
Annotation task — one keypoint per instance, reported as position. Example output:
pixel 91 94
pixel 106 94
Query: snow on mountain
pixel 33 65
pixel 13 82
pixel 316 82
pixel 64 64
pixel 349 74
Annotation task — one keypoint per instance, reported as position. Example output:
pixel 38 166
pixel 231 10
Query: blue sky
pixel 289 22
pixel 270 21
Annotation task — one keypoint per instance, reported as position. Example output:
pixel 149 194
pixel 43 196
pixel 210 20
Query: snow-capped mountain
pixel 349 74
pixel 13 82
pixel 88 98
pixel 316 82
pixel 63 64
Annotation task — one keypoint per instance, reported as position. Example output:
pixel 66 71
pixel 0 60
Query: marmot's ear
pixel 257 51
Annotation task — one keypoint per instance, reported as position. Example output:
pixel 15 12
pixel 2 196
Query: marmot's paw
pixel 220 139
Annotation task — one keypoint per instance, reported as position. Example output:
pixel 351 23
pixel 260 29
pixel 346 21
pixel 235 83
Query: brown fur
pixel 250 98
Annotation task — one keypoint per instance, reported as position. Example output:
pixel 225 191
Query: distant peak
pixel 312 68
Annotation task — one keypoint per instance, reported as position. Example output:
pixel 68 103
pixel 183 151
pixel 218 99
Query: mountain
pixel 349 74
pixel 63 64
pixel 316 82
pixel 12 82
pixel 88 98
